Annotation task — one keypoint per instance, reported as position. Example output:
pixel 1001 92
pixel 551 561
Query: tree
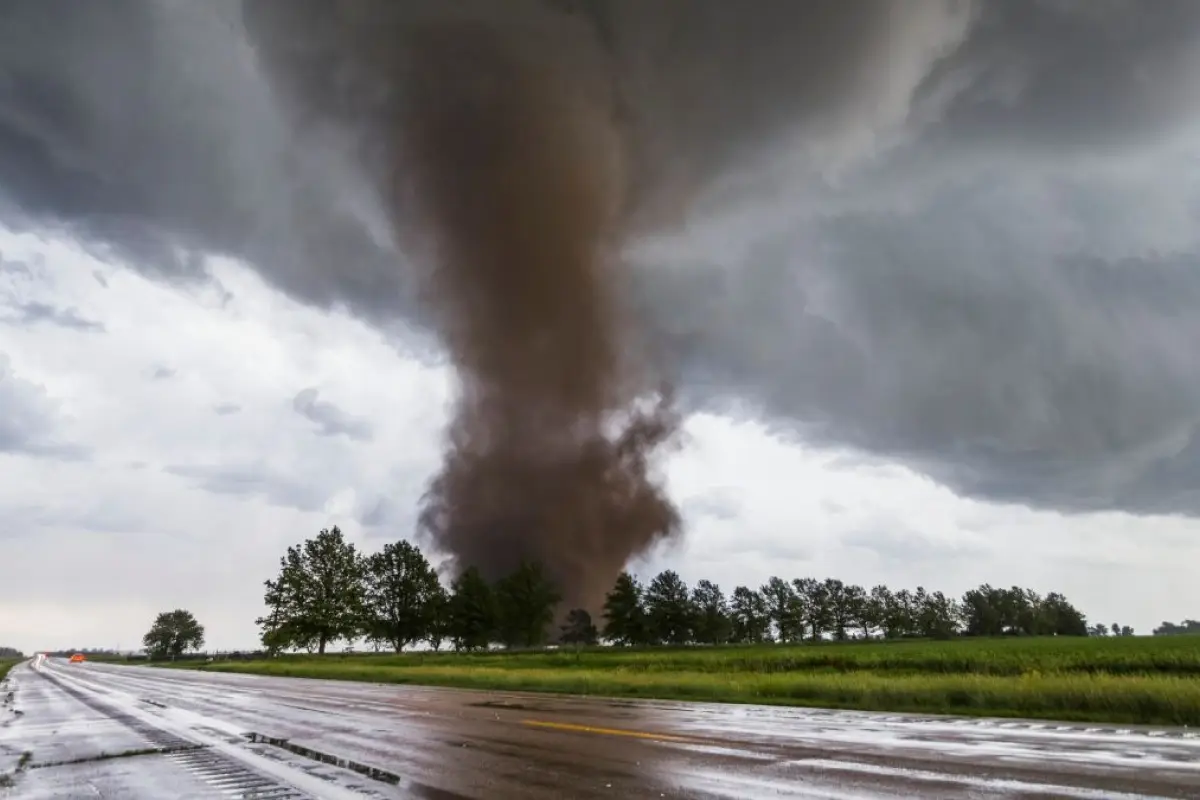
pixel 841 610
pixel 472 611
pixel 400 593
pixel 938 616
pixel 669 609
pixel 1188 626
pixel 750 617
pixel 877 612
pixel 818 616
pixel 783 608
pixel 985 611
pixel 712 624
pixel 318 596
pixel 525 602
pixel 439 618
pixel 624 613
pixel 579 629
pixel 172 634
pixel 1061 618
pixel 857 615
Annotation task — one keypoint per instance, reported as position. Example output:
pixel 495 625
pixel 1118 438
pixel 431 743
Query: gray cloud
pixel 29 419
pixel 162 373
pixel 900 546
pixel 33 313
pixel 225 409
pixel 983 301
pixel 250 480
pixel 1068 74
pixel 330 420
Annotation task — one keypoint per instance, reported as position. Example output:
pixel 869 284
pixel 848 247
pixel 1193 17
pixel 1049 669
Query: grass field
pixel 6 664
pixel 1124 680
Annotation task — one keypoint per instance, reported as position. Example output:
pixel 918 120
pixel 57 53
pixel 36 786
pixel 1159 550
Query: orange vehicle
pixel 77 658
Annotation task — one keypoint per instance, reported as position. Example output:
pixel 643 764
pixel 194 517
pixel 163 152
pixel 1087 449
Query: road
pixel 97 730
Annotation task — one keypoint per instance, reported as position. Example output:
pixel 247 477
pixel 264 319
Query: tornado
pixel 496 138
pixel 516 171
pixel 518 147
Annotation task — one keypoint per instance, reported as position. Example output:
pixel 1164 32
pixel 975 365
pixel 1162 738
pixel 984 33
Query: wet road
pixel 193 731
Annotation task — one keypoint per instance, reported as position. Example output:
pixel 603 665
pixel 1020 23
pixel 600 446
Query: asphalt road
pixel 95 730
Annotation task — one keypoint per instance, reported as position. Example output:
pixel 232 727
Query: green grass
pixel 6 664
pixel 1123 680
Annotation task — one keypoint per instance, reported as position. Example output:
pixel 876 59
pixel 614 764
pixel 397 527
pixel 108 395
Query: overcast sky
pixel 956 348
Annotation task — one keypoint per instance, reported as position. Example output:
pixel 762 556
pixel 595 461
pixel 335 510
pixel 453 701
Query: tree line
pixel 1188 626
pixel 327 591
pixel 11 653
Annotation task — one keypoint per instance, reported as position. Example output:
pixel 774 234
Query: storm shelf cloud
pixel 923 233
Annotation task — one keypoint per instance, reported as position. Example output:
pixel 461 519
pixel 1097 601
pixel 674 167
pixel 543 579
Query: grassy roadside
pixel 1129 681
pixel 6 664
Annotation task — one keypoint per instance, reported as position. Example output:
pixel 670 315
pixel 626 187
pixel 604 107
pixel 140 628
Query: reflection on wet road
pixel 331 739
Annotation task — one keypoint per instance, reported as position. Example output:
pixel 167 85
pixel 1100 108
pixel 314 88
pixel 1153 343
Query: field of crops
pixel 1126 680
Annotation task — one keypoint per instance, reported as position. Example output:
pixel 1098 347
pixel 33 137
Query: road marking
pixel 570 726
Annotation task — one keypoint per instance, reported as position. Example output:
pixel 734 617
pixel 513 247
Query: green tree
pixel 669 611
pixel 939 616
pixel 400 593
pixel 783 607
pixel 750 616
pixel 579 629
pixel 172 634
pixel 439 618
pixel 712 624
pixel 1188 626
pixel 624 612
pixel 472 611
pixel 878 611
pixel 317 597
pixel 1062 618
pixel 984 611
pixel 525 602
pixel 818 614
pixel 857 613
pixel 841 611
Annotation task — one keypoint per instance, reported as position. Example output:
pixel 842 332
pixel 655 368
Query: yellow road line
pixel 569 726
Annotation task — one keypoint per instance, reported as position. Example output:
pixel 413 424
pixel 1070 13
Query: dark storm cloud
pixel 1067 74
pixel 1019 334
pixel 143 128
pixel 981 354
pixel 329 419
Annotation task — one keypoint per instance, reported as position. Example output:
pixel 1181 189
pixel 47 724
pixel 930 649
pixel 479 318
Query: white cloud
pixel 197 482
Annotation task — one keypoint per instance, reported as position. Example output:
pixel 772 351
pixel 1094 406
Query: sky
pixel 935 333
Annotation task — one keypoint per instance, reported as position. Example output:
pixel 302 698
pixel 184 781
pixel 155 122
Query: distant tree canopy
pixel 1171 629
pixel 327 591
pixel 10 652
pixel 172 634
pixel 806 608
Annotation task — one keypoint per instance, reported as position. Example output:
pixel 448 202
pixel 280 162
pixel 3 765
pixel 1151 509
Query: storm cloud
pixel 995 284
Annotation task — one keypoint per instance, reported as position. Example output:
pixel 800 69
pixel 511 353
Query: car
pixel 77 658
